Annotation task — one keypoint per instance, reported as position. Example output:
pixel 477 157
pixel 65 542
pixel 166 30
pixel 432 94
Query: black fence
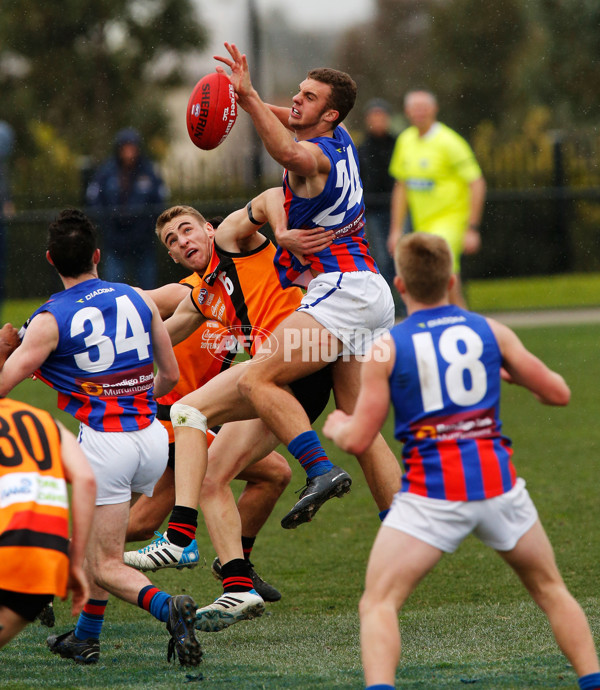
pixel 542 217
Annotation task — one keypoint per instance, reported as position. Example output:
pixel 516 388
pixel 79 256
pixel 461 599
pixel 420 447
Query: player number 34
pixel 128 321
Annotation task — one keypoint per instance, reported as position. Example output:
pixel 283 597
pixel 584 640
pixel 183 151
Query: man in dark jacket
pixel 374 155
pixel 128 195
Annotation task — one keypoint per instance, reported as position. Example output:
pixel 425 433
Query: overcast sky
pixel 227 19
pixel 307 13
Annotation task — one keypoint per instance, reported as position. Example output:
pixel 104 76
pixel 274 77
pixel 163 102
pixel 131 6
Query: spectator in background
pixel 374 155
pixel 439 181
pixel 7 209
pixel 128 196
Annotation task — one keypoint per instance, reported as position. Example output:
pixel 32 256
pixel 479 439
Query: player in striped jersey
pixel 97 343
pixel 37 559
pixel 442 368
pixel 347 301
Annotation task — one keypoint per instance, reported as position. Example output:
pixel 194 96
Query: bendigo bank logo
pixel 226 343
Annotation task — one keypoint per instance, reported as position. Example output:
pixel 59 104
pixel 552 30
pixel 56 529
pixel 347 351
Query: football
pixel 211 111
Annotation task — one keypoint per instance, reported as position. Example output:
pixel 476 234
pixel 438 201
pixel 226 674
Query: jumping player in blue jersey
pixel 442 368
pixel 347 301
pixel 97 343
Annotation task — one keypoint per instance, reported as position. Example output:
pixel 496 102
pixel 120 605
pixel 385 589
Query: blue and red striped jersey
pixel 445 390
pixel 340 206
pixel 102 367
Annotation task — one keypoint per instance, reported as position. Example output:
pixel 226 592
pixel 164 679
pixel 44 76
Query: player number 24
pixel 97 342
pixel 462 389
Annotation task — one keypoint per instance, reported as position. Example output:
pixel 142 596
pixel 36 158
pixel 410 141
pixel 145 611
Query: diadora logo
pixel 225 343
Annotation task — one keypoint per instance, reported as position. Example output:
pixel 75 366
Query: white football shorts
pixel 498 522
pixel 355 307
pixel 125 462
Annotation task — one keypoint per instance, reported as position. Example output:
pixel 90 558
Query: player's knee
pixel 374 602
pixel 281 475
pixel 211 486
pixel 550 594
pixel 366 604
pixel 187 416
pixel 246 382
pixel 272 472
pixel 143 532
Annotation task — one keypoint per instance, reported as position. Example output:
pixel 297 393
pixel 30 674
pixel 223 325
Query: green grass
pixel 561 291
pixel 469 622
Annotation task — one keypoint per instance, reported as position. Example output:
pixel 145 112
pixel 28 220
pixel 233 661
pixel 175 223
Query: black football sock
pixel 182 525
pixel 236 576
pixel 247 545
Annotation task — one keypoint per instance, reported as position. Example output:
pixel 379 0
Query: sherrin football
pixel 211 111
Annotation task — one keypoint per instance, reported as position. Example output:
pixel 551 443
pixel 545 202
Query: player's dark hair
pixel 343 90
pixel 72 241
pixel 168 215
pixel 215 221
pixel 424 261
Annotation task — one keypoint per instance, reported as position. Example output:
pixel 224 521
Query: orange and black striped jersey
pixel 196 358
pixel 243 292
pixel 34 508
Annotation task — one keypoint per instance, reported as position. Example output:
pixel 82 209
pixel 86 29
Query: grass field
pixel 470 622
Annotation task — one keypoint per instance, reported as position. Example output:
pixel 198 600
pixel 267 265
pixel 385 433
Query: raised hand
pixel 240 74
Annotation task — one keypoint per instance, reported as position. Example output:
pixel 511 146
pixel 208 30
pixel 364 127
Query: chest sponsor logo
pixel 131 382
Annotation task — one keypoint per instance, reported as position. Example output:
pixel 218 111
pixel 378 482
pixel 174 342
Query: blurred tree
pixel 569 61
pixel 86 69
pixel 473 50
pixel 487 61
pixel 389 54
pixel 463 50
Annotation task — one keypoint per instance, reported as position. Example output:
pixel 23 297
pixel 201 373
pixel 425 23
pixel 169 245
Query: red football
pixel 211 111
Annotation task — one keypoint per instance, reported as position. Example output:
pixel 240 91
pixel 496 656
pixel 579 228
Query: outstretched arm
pixel 525 369
pixel 40 339
pixel 355 433
pixel 303 158
pixel 281 113
pixel 167 373
pixel 184 321
pixel 168 297
pixel 270 206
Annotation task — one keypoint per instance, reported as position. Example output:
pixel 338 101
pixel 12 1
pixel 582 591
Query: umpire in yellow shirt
pixel 438 180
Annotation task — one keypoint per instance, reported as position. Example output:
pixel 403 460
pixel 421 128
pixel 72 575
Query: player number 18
pixel 465 379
